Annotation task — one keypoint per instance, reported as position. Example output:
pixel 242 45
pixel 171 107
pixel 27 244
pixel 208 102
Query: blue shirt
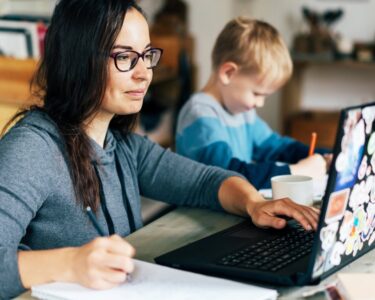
pixel 208 133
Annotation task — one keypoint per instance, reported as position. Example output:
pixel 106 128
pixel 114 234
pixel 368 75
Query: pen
pixel 318 289
pixel 101 232
pixel 94 221
pixel 312 143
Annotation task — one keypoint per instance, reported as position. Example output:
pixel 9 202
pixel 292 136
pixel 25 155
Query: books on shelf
pixel 22 36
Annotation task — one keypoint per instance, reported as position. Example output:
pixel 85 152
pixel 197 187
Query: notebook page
pixel 356 286
pixel 155 282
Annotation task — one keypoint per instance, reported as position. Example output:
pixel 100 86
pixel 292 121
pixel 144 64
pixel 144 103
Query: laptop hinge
pixel 301 278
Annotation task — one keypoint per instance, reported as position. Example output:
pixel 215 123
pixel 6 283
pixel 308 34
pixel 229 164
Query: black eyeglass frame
pixel 140 55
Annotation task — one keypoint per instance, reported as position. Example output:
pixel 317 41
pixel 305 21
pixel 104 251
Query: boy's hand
pixel 314 166
pixel 267 213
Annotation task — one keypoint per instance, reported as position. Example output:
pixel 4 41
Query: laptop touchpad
pixel 250 232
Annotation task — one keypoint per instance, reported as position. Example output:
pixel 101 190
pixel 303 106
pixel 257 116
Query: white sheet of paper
pixel 155 282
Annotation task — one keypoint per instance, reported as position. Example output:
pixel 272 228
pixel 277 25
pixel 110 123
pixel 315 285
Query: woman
pixel 77 151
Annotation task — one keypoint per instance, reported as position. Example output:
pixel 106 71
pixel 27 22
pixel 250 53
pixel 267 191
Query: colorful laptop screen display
pixel 349 221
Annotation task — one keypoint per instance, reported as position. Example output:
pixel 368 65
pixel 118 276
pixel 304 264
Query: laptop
pixel 293 256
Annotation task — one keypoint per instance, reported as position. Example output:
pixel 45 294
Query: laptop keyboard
pixel 271 254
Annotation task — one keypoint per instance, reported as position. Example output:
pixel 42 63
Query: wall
pixel 358 22
pixel 150 7
pixel 329 87
pixel 42 7
pixel 319 91
pixel 206 19
pixel 324 87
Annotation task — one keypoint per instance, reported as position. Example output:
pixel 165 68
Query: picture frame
pixel 15 42
pixel 29 28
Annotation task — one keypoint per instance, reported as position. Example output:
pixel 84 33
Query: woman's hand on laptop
pixel 238 196
pixel 269 213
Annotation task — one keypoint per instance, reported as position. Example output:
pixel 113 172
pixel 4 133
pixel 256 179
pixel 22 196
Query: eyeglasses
pixel 127 60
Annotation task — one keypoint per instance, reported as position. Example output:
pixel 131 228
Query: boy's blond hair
pixel 256 47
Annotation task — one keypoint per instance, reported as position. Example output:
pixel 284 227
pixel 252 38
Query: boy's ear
pixel 226 71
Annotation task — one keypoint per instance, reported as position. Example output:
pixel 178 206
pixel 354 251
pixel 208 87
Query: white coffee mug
pixel 299 188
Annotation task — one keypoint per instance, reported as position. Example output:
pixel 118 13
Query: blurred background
pixel 331 41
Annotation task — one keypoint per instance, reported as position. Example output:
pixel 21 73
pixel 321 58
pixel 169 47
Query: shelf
pixel 298 122
pixel 15 76
pixel 301 125
pixel 340 62
pixel 165 88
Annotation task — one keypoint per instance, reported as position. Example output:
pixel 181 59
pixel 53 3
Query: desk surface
pixel 185 225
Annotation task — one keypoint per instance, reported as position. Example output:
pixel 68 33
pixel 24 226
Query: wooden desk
pixel 185 225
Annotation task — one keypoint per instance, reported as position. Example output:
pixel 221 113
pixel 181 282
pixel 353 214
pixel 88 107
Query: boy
pixel 219 126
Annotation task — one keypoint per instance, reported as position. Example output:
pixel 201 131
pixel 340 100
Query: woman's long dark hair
pixel 72 80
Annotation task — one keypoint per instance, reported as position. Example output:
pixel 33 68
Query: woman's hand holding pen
pixel 103 263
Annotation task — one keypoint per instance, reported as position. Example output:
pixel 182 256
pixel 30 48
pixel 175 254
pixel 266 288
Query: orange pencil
pixel 312 143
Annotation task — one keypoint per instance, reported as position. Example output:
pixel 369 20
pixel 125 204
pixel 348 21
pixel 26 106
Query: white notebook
pixel 356 286
pixel 155 282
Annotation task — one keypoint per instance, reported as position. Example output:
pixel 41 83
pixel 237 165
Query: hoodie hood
pixel 41 122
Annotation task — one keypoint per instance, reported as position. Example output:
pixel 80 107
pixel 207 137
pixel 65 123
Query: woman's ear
pixel 226 72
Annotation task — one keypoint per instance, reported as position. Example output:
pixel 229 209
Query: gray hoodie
pixel 38 209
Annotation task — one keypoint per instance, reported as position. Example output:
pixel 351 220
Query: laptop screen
pixel 348 212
